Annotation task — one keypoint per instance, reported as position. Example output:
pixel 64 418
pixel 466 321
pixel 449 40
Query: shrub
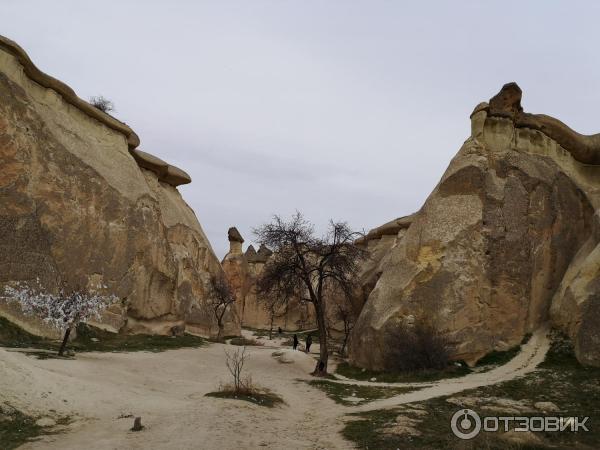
pixel 417 347
pixel 103 104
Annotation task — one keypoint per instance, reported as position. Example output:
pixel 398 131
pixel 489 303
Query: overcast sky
pixel 348 110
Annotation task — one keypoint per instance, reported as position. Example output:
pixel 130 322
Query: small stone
pixel 546 406
pixel 137 424
pixel 373 379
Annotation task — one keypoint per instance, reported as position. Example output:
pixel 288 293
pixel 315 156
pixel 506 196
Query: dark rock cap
pixel 251 254
pixel 264 253
pixel 507 102
pixel 234 235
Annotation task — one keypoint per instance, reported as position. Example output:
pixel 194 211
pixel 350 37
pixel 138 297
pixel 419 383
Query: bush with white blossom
pixel 63 311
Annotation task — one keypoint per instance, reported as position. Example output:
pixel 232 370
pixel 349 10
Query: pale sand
pixel 167 390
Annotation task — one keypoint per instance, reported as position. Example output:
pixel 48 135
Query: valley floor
pixel 94 398
pixel 167 390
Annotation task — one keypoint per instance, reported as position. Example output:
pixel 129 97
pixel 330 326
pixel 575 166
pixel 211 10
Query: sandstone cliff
pixel 80 204
pixel 506 242
pixel 242 271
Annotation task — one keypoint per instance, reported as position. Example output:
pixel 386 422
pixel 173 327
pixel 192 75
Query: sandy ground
pixel 167 390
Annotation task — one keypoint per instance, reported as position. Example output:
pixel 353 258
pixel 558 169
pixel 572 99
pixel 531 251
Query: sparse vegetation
pixel 91 339
pixel 221 301
pixel 242 387
pixel 17 428
pixel 103 104
pixel 348 395
pixel 309 268
pixel 259 397
pixel 561 380
pixel 413 376
pixel 452 370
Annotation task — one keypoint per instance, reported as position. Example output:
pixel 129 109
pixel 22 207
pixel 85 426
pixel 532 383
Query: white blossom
pixel 63 310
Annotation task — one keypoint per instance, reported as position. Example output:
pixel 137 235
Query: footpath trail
pixel 531 355
pixel 100 392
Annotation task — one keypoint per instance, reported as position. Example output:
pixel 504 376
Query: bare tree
pixel 103 104
pixel 345 314
pixel 309 268
pixel 221 301
pixel 235 364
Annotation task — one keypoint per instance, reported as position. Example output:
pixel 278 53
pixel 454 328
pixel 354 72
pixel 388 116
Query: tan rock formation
pixel 242 271
pixel 509 231
pixel 76 207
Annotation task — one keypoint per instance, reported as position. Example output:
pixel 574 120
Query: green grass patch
pixel 17 428
pixel 560 379
pixel 12 335
pixel 258 397
pixel 350 395
pixel 91 339
pixel 455 369
pixel 357 373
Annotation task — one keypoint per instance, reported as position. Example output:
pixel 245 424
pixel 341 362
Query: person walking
pixel 295 341
pixel 308 343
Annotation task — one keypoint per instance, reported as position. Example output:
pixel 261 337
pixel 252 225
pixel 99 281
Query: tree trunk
pixel 321 366
pixel 343 349
pixel 61 351
pixel 220 332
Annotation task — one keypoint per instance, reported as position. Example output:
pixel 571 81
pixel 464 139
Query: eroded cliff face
pixel 506 243
pixel 76 207
pixel 242 270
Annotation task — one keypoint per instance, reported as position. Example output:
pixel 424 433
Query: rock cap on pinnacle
pixel 234 235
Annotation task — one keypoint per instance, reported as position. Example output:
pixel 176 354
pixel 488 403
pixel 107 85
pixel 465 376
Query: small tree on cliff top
pixel 63 311
pixel 307 267
pixel 103 104
pixel 222 300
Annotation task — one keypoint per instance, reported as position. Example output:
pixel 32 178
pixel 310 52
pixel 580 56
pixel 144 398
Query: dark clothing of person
pixel 308 343
pixel 279 330
pixel 295 342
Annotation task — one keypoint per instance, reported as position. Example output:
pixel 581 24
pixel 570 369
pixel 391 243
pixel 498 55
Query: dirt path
pixel 167 389
pixel 530 356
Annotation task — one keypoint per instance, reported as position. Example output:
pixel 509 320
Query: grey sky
pixel 341 109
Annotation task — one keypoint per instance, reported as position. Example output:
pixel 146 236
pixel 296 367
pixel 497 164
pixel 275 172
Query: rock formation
pixel 80 204
pixel 506 242
pixel 242 271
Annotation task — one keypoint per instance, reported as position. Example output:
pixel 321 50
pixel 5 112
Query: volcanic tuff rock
pixel 242 271
pixel 506 242
pixel 79 204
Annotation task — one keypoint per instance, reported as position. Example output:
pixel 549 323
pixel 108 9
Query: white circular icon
pixel 465 424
